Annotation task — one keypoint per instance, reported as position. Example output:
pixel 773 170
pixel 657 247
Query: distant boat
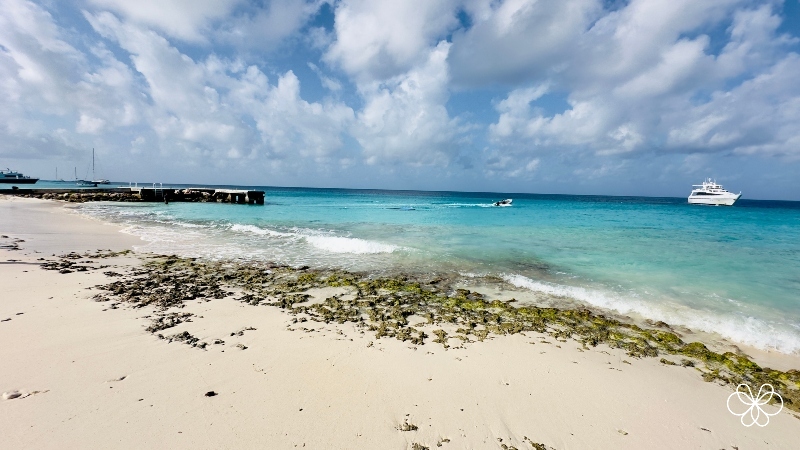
pixel 711 193
pixel 9 176
pixel 84 183
pixel 506 202
pixel 94 178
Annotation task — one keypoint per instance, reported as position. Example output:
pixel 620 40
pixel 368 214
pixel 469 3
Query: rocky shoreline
pixel 414 309
pixel 182 195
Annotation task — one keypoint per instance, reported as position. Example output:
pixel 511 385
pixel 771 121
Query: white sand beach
pixel 90 376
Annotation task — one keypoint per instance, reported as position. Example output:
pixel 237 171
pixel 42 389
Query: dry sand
pixel 91 377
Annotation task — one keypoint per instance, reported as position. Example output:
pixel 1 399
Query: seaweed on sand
pixel 385 306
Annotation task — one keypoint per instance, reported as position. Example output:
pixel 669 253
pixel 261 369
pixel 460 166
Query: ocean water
pixel 734 271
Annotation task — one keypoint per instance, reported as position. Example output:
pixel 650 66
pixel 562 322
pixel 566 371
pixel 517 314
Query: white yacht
pixel 711 193
pixel 9 176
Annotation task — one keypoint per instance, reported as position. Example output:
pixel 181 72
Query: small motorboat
pixel 506 202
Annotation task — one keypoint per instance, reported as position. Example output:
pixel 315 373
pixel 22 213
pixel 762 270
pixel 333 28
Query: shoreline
pixel 508 379
pixel 722 312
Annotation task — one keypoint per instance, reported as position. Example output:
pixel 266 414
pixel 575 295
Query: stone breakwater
pixel 77 197
pixel 421 310
pixel 198 195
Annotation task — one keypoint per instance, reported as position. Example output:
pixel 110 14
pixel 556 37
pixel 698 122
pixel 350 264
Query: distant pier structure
pixel 158 193
pixel 135 193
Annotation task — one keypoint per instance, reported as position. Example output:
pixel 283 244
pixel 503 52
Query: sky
pixel 639 97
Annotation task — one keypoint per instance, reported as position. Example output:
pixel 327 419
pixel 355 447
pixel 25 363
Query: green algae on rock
pixel 384 306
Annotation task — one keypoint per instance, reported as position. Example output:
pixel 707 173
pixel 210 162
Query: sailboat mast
pixel 93 175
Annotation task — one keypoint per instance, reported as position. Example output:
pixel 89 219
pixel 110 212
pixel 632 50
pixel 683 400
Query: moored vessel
pixel 711 193
pixel 95 181
pixel 83 183
pixel 9 176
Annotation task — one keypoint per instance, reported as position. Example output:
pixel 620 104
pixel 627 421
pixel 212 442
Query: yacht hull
pixel 18 180
pixel 715 200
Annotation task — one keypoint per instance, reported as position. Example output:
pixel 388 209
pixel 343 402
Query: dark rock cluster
pixel 170 195
pixel 409 308
pixel 82 197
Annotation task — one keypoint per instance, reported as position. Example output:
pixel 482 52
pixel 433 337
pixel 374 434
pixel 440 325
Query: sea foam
pixel 741 329
pixel 336 244
pixel 333 244
pixel 259 231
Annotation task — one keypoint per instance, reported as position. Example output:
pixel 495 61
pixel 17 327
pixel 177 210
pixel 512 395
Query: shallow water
pixel 729 270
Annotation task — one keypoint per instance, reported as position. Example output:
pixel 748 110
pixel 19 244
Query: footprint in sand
pixel 117 379
pixel 10 395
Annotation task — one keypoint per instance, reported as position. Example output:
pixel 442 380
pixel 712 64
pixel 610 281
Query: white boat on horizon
pixel 95 181
pixel 9 176
pixel 83 183
pixel 711 193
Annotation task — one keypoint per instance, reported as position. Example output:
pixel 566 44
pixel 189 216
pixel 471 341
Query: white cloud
pixel 59 100
pixel 636 82
pixel 90 125
pixel 395 55
pixel 594 88
pixel 294 127
pixel 328 83
pixel 759 116
pixel 519 40
pixel 379 40
pixel 182 19
pixel 404 119
pixel 264 27
pixel 509 165
pixel 49 86
pixel 202 108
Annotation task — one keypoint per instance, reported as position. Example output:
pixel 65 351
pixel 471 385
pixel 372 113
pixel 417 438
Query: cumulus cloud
pixel 517 90
pixel 404 118
pixel 61 100
pixel 50 87
pixel 650 85
pixel 265 27
pixel 329 83
pixel 518 40
pixel 182 19
pixel 379 40
pixel 202 107
pixel 758 116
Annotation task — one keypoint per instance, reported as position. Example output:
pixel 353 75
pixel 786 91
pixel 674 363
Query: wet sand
pixel 90 375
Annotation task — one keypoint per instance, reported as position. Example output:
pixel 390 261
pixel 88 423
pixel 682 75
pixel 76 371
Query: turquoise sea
pixel 734 270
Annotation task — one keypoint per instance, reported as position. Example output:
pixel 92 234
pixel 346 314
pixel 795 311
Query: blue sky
pixel 641 97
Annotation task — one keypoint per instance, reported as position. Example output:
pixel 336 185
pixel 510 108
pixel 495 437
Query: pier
pixel 158 193
pixel 155 193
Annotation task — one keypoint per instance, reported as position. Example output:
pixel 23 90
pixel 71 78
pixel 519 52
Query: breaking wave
pixel 737 328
